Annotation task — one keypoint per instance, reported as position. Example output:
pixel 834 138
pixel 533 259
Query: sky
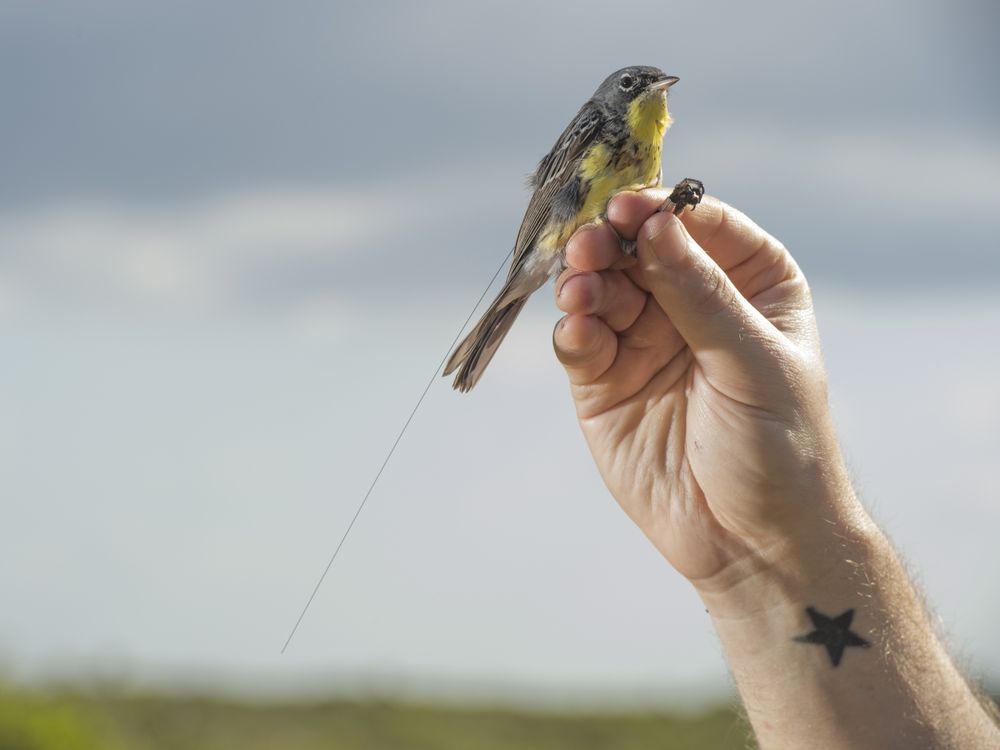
pixel 235 241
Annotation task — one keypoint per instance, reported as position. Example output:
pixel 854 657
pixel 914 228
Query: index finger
pixel 725 233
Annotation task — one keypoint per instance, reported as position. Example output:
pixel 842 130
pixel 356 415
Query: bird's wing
pixel 571 144
pixel 552 174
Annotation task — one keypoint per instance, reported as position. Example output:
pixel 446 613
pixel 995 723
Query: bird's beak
pixel 664 83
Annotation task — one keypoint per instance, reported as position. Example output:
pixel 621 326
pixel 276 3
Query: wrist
pixel 829 551
pixel 838 599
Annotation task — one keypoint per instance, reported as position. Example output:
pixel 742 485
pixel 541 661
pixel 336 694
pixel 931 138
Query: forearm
pixel 882 681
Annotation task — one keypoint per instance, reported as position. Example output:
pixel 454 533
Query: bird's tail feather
pixel 477 349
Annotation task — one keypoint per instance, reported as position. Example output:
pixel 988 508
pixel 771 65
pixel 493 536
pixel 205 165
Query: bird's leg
pixel 687 192
pixel 628 246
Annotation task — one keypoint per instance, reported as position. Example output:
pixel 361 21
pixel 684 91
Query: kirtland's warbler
pixel 613 144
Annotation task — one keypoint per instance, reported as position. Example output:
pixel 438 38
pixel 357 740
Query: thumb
pixel 717 322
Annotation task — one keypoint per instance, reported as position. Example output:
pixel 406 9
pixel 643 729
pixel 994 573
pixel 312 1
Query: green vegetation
pixel 44 722
pixel 69 720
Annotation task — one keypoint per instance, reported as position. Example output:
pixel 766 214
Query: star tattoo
pixel 832 632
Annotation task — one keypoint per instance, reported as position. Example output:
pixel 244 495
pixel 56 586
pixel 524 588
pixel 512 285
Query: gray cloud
pixel 140 100
pixel 865 207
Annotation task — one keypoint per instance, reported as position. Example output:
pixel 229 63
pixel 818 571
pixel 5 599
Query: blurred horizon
pixel 235 240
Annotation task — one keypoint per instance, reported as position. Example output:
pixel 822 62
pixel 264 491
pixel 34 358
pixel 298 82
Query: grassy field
pixel 68 720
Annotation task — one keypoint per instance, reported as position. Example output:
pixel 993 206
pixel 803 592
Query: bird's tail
pixel 478 348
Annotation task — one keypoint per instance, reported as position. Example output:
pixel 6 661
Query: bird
pixel 613 144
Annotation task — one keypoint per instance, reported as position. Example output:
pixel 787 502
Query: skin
pixel 699 385
pixel 698 381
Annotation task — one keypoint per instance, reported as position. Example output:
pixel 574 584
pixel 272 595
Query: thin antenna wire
pixel 391 451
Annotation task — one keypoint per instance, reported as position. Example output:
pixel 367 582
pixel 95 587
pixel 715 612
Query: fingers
pixel 628 211
pixel 610 295
pixel 758 265
pixel 709 296
pixel 651 349
pixel 585 346
pixel 726 234
pixel 716 321
pixel 599 302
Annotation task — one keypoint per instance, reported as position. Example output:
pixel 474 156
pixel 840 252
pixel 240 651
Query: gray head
pixel 623 86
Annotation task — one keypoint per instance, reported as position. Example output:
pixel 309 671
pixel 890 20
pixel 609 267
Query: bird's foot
pixel 687 192
pixel 628 246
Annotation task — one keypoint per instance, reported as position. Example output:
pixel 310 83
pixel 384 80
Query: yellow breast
pixel 605 171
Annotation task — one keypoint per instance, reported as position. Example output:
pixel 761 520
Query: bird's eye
pixel 626 82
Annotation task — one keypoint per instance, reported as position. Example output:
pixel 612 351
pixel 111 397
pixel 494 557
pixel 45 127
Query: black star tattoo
pixel 833 632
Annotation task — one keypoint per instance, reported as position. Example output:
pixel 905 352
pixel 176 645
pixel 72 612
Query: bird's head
pixel 637 83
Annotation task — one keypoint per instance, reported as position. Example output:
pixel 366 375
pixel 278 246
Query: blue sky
pixel 234 242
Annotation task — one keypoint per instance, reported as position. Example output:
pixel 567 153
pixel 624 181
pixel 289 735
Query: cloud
pixel 214 253
pixel 98 101
pixel 850 200
pixel 871 169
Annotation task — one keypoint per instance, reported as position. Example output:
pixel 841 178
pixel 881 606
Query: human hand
pixel 700 387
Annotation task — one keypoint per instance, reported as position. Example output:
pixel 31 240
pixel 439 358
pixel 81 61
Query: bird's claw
pixel 687 192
